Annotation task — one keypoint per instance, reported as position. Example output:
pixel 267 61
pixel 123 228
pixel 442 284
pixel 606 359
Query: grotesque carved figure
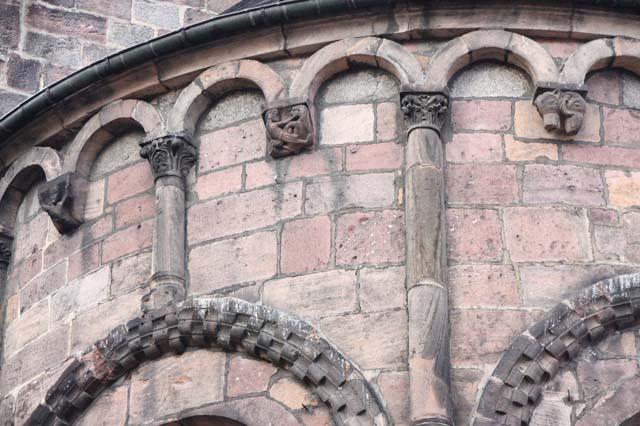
pixel 56 198
pixel 291 134
pixel 561 111
pixel 6 241
pixel 573 108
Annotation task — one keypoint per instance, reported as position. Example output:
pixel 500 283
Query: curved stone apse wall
pixel 355 217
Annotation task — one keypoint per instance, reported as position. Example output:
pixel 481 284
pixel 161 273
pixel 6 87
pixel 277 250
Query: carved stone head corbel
pixel 561 111
pixel 56 198
pixel 289 129
pixel 6 243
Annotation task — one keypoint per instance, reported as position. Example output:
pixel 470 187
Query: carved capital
pixel 289 130
pixel 6 244
pixel 170 155
pixel 56 198
pixel 561 111
pixel 426 110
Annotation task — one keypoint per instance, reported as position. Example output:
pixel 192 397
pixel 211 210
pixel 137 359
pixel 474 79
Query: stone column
pixel 6 244
pixel 171 157
pixel 426 259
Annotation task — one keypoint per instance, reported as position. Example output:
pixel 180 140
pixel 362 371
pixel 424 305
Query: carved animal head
pixel 573 108
pixel 272 115
pixel 548 105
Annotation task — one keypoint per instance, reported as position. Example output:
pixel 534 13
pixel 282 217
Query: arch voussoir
pixel 535 357
pixel 231 324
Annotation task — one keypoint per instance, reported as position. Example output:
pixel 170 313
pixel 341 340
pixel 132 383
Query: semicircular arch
pixel 227 323
pixel 499 45
pixel 345 54
pixel 534 358
pixel 217 80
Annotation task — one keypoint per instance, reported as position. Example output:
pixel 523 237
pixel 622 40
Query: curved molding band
pixel 227 323
pixel 618 52
pixel 197 96
pixel 344 54
pixel 500 45
pixel 22 174
pixel 104 126
pixel 535 357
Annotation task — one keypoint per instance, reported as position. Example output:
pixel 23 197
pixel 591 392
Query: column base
pixel 165 291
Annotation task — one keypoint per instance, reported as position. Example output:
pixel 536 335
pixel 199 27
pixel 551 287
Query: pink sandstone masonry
pixel 312 253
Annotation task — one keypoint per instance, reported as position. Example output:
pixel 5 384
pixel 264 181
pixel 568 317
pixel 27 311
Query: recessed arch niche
pixel 205 421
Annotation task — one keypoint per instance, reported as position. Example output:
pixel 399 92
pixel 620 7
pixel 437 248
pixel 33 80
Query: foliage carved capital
pixel 424 110
pixel 170 155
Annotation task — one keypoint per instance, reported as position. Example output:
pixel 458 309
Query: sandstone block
pixel 64 22
pixel 483 286
pixel 292 394
pixel 482 183
pixel 130 272
pixel 220 182
pixel 306 245
pixel 129 181
pixel 481 115
pixel 474 147
pixel 80 295
pixel 394 386
pixel 528 124
pixel 313 295
pixel 623 187
pixel 604 87
pixel 175 383
pixel 83 261
pixel 369 238
pixel 43 285
pixel 242 212
pixel 374 340
pixel 382 289
pixel 31 324
pixel 246 376
pixel 129 240
pixel 543 234
pixel 107 410
pixel 621 127
pixel 377 156
pixel 473 235
pixel 338 192
pixel 562 184
pixel 239 260
pixel 387 121
pixel 335 130
pixel 135 210
pixel 605 155
pixel 529 151
pixel 232 145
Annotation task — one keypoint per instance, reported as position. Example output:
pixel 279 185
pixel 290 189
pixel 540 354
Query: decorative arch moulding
pixel 223 323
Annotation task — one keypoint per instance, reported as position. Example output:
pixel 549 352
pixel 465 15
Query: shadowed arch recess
pixel 205 421
pixel 228 323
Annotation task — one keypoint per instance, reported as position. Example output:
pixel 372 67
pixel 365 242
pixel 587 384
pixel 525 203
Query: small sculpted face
pixel 548 105
pixel 573 108
pixel 273 115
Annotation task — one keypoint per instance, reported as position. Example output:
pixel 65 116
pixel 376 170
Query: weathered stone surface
pixel 605 155
pixel 247 376
pixel 335 130
pixel 118 8
pixel 232 108
pixel 375 340
pixel 357 86
pixel 480 336
pixel 596 375
pixel 122 151
pixel 292 394
pixel 130 272
pixel 604 86
pixel 464 385
pixel 306 245
pixel 313 295
pixel 241 260
pixel 42 353
pixel 619 243
pixel 482 184
pixel 387 121
pixel 621 126
pixel 219 183
pixel 79 296
pixel 562 184
pixel 129 181
pixel 374 157
pixel 43 285
pixel 232 145
pixel 237 213
pixel 173 384
pixel 394 386
pixel 474 147
pixel 529 151
pixel 127 241
pixel 542 234
pixel 94 202
pixel 481 81
pixel 623 188
pixel 483 285
pixel 481 115
pixel 108 409
pixel 31 324
pixel 125 35
pixel 163 15
pixel 631 90
pixel 338 192
pixel 93 324
pixel 382 288
pixel 76 24
pixel 60 51
pixel 544 285
pixel 33 393
pixel 31 237
pixel 365 238
pixel 473 235
pixel 23 74
pixel 135 210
